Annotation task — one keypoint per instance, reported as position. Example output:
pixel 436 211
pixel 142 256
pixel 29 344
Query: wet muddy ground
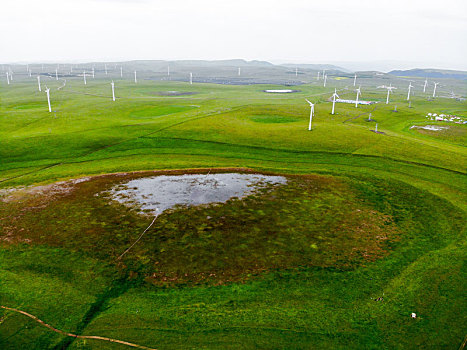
pixel 304 221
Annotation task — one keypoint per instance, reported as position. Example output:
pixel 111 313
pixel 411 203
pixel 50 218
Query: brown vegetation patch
pixel 310 221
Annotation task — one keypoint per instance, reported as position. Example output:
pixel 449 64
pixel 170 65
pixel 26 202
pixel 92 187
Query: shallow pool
pixel 158 193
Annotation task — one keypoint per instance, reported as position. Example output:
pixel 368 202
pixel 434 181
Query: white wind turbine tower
pixel 312 113
pixel 135 78
pixel 113 90
pixel 239 71
pixel 359 93
pixel 8 78
pixel 168 71
pixel 334 97
pixel 325 78
pixel 47 90
pixel 318 76
pixel 355 80
pixel 408 94
pixel 324 72
pixel 296 71
pixel 389 88
pixel 434 90
pixel 30 73
pixel 424 86
pixel 93 72
pixel 121 72
pixel 84 77
pixel 191 78
pixel 56 74
pixel 105 67
pixel 39 82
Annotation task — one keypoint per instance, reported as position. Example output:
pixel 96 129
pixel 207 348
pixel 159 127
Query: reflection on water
pixel 160 193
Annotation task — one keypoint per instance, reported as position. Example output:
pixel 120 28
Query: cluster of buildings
pixel 446 118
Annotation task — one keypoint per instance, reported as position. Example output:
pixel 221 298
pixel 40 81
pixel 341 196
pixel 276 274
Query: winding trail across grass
pixel 75 335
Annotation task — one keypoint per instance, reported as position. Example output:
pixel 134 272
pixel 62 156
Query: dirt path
pixel 75 335
pixel 348 120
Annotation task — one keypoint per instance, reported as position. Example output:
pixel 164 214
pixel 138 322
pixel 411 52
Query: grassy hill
pixel 369 228
pixel 431 73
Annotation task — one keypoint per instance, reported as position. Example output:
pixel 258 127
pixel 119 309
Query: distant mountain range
pixel 205 63
pixel 328 67
pixel 243 63
pixel 431 73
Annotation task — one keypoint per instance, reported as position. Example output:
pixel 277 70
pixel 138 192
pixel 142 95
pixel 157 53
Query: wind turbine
pixel 325 78
pixel 56 74
pixel 47 90
pixel 424 86
pixel 8 78
pixel 239 71
pixel 121 72
pixel 30 73
pixel 318 76
pixel 191 78
pixel 113 90
pixel 105 67
pixel 390 88
pixel 84 77
pixel 359 93
pixel 135 78
pixel 408 94
pixel 334 97
pixel 39 82
pixel 93 72
pixel 296 71
pixel 312 113
pixel 168 71
pixel 324 72
pixel 434 90
pixel 355 79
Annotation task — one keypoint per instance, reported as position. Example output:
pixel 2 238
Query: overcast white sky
pixel 418 32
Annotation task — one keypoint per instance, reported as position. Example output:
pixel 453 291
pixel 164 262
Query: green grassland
pixel 369 228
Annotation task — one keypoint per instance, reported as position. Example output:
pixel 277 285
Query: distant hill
pixel 431 73
pixel 328 67
pixel 371 74
pixel 204 63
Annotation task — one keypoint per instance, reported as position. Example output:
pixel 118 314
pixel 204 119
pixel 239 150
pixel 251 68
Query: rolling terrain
pixel 369 228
